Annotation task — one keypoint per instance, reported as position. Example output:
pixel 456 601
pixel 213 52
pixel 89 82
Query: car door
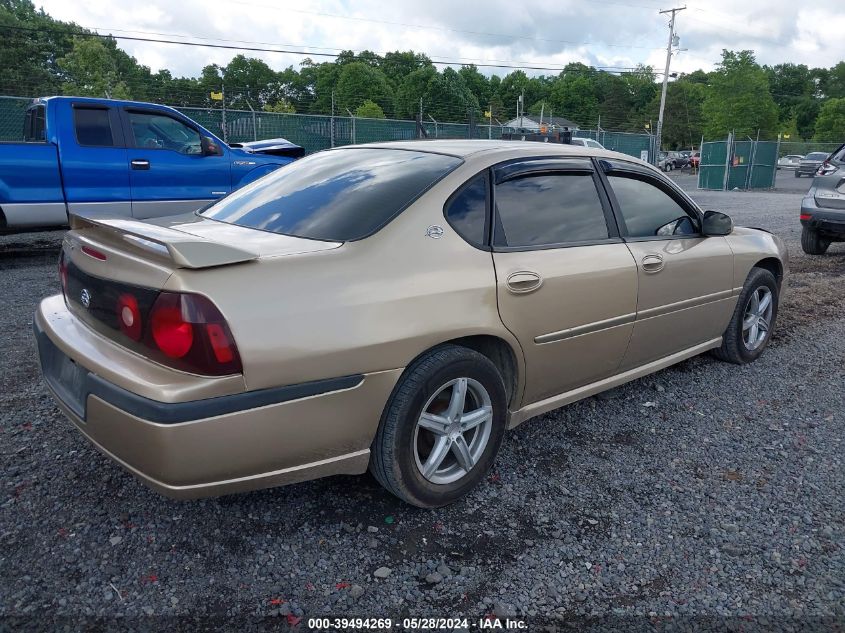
pixel 92 159
pixel 566 282
pixel 169 172
pixel 685 279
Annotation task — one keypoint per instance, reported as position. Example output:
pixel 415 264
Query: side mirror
pixel 210 147
pixel 716 223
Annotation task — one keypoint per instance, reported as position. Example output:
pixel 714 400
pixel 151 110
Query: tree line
pixel 40 56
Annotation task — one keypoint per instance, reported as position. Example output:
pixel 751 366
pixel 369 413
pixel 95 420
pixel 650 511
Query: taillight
pixel 129 316
pixel 63 271
pixel 192 335
pixel 826 169
pixel 805 216
pixel 93 252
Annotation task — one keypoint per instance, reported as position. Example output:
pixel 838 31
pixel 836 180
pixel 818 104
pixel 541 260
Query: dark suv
pixel 823 207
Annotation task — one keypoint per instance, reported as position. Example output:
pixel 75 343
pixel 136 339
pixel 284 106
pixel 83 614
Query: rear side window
pixel 34 128
pixel 548 209
pixel 466 211
pixel 93 127
pixel 816 156
pixel 339 195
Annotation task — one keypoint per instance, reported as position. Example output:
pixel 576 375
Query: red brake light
pixel 93 252
pixel 171 332
pixel 805 216
pixel 220 343
pixel 129 316
pixel 63 271
pixel 192 334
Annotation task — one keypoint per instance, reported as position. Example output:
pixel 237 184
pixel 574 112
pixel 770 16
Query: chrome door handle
pixel 524 281
pixel 140 163
pixel 652 263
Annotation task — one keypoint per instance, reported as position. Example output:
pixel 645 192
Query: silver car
pixel 790 161
pixel 823 207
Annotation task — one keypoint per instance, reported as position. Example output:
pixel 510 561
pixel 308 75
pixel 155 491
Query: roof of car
pixel 467 147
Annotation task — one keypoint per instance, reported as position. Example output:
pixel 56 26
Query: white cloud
pixel 612 33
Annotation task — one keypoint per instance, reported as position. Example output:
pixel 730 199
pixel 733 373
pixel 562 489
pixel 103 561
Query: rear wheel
pixel 812 243
pixel 442 427
pixel 797 175
pixel 750 328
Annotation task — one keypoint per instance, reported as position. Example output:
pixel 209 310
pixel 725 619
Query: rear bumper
pixel 827 221
pixel 221 445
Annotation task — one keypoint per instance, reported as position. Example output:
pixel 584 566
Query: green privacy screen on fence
pixel 711 170
pixel 316 132
pixel 738 164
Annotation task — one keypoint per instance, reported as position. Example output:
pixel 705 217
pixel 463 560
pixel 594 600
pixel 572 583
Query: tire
pixel 735 348
pixel 398 454
pixel 797 175
pixel 812 243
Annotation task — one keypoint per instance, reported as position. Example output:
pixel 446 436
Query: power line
pixel 448 29
pixel 511 65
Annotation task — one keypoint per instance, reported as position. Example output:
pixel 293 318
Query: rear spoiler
pixel 185 250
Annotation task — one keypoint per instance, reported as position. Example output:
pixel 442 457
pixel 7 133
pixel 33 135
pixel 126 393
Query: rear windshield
pixel 340 195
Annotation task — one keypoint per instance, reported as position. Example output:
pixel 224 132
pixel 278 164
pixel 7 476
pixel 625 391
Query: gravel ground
pixel 707 495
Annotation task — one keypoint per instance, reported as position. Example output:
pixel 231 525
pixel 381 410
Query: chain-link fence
pixel 802 148
pixel 316 132
pixel 736 164
pixel 12 111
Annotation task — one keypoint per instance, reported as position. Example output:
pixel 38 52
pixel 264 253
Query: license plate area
pixel 67 379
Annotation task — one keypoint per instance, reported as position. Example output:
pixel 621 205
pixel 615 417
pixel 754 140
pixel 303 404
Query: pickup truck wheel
pixel 797 175
pixel 812 243
pixel 753 320
pixel 442 427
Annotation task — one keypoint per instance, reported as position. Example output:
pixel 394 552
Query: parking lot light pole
pixel 665 81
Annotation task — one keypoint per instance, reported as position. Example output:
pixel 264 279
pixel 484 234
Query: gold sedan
pixel 395 307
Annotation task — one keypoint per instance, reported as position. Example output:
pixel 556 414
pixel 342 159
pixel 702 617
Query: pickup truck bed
pixel 31 185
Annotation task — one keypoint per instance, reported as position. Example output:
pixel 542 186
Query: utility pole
pixel 665 78
pixel 490 128
pixel 223 96
pixel 352 116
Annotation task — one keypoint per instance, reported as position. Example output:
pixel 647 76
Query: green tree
pixel 369 110
pixel 739 99
pixel 832 82
pixel 683 120
pixel 830 125
pixel 250 82
pixel 281 106
pixel 414 87
pixel 359 82
pixel 398 65
pixel 91 71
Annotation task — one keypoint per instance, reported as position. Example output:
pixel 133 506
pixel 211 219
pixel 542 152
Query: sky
pixel 602 33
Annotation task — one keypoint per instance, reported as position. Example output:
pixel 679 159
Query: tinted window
pixel 816 156
pixel 467 211
pixel 34 125
pixel 338 195
pixel 93 127
pixel 158 131
pixel 649 211
pixel 549 209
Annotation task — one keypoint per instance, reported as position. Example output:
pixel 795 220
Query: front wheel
pixel 753 320
pixel 442 427
pixel 812 243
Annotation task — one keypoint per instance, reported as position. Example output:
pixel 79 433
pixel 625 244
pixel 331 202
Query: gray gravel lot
pixel 706 490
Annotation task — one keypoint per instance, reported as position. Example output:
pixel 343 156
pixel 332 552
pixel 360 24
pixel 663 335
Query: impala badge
pixel 435 232
pixel 85 297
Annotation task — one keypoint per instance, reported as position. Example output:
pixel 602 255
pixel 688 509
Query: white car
pixel 586 142
pixel 790 161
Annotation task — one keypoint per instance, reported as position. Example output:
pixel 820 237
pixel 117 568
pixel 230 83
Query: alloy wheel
pixel 757 319
pixel 453 430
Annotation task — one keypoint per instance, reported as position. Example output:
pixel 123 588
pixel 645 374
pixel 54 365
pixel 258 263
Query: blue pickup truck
pixel 101 157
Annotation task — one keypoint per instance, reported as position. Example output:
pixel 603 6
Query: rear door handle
pixel 653 263
pixel 524 281
pixel 140 163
